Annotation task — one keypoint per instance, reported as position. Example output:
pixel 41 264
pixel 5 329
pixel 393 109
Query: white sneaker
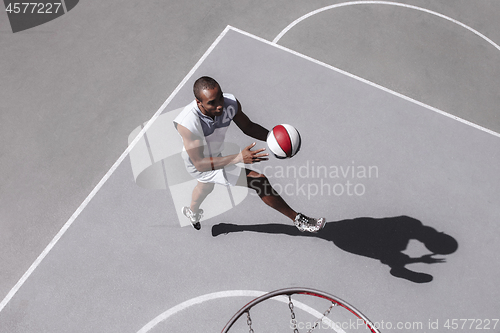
pixel 193 218
pixel 304 223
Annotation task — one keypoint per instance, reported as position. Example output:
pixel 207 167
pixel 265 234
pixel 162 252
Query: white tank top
pixel 211 131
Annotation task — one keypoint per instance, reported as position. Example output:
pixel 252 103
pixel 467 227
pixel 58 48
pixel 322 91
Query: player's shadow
pixel 383 239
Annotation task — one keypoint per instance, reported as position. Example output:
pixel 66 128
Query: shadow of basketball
pixel 383 239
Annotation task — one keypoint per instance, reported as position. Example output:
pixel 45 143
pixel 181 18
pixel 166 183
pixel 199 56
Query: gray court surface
pixel 383 169
pixel 394 168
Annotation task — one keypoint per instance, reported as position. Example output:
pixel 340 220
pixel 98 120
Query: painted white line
pixel 233 293
pixel 198 300
pixel 84 204
pixel 481 128
pixel 63 3
pixel 73 217
pixel 343 4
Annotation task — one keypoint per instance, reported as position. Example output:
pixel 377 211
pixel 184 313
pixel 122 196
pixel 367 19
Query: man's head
pixel 437 242
pixel 208 96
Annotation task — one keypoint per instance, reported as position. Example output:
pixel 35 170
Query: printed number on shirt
pixel 229 114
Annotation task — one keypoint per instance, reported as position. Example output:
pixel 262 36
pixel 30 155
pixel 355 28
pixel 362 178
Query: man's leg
pixel 266 192
pixel 200 192
pixel 193 212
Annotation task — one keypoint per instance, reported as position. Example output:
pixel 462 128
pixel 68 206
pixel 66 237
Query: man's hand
pixel 250 157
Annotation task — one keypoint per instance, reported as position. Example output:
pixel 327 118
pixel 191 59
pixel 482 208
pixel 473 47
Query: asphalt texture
pixel 76 87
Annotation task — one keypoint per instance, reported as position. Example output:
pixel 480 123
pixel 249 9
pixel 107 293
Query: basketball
pixel 284 141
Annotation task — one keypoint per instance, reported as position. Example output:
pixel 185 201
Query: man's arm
pixel 194 147
pixel 248 127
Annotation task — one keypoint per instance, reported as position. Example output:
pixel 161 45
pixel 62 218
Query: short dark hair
pixel 203 83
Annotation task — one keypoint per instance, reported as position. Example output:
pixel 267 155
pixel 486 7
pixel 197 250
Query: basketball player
pixel 202 125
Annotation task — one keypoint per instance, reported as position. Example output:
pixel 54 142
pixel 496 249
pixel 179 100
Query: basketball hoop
pixel 290 295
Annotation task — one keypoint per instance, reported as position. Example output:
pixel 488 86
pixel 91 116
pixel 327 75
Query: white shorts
pixel 229 175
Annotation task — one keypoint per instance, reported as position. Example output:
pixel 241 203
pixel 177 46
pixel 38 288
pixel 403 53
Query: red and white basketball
pixel 283 141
